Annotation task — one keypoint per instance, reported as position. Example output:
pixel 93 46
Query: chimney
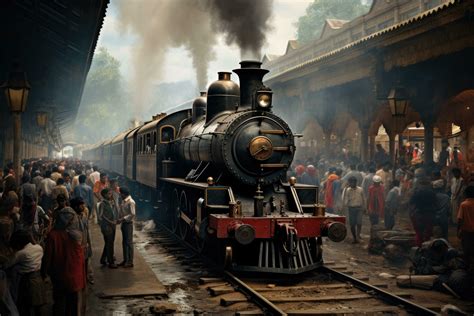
pixel 250 76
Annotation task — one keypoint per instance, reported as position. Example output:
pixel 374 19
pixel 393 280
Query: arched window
pixel 167 133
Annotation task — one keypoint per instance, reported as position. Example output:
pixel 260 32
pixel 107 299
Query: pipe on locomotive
pixel 222 95
pixel 199 107
pixel 250 78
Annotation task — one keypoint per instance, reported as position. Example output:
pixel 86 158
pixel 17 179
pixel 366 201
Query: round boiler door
pixel 261 148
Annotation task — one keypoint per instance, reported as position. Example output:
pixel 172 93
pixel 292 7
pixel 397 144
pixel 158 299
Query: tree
pixel 104 110
pixel 310 25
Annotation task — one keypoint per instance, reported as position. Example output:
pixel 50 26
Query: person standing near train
pixel 108 222
pixel 353 200
pixel 127 215
pixel 103 183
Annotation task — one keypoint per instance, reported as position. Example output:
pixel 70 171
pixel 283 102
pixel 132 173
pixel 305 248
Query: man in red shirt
pixel 466 227
pixel 376 200
pixel 65 264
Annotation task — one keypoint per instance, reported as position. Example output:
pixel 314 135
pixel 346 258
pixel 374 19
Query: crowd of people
pixel 45 239
pixel 47 211
pixel 437 199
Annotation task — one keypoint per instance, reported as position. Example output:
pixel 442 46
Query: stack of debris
pixel 436 265
pixel 393 244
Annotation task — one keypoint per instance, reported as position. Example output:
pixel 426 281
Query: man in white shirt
pixel 26 262
pixel 353 200
pixel 94 176
pixel 127 215
pixel 45 192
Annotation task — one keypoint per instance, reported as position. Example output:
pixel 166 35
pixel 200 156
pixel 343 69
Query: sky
pixel 178 64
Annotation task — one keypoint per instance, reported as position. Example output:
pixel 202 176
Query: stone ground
pixel 187 297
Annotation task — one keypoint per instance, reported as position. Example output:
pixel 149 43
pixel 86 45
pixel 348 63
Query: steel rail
pixel 268 307
pixel 379 293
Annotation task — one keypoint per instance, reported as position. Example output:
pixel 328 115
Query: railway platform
pixel 122 287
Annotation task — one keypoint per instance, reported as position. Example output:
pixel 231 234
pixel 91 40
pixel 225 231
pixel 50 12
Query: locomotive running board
pixel 271 260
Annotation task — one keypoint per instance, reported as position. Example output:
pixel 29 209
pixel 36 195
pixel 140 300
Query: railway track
pixel 360 291
pixel 325 291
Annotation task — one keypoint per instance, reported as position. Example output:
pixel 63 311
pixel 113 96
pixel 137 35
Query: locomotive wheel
pixel 174 210
pixel 183 227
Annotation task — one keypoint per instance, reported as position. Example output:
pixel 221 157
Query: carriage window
pixel 154 145
pixel 148 143
pixel 166 134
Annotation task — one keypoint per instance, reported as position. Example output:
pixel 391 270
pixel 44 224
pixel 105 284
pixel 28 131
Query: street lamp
pixel 41 119
pixel 398 101
pixel 17 89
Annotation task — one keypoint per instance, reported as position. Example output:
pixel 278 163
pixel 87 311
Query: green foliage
pixel 310 25
pixel 104 107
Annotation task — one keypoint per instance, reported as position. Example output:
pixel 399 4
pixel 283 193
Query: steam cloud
pixel 193 24
pixel 244 22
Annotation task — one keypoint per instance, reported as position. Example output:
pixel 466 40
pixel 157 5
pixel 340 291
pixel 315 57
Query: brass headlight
pixel 264 99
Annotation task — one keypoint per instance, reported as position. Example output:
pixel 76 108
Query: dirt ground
pixel 357 258
pixel 187 297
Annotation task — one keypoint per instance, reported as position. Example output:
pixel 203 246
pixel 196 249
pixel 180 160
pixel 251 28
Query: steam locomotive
pixel 217 172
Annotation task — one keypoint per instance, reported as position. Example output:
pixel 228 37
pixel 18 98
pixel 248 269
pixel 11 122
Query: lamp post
pixel 398 102
pixel 41 121
pixel 17 89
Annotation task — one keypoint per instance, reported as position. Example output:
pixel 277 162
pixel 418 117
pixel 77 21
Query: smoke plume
pixel 195 25
pixel 244 22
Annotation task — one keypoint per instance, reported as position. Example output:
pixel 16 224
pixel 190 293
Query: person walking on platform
pixel 79 206
pixel 443 208
pixel 375 201
pixel 84 191
pixel 107 221
pixel 368 180
pixel 457 190
pixel 127 215
pixel 392 204
pixel 97 189
pixel 46 192
pixel 353 201
pixel 64 263
pixel 466 228
pixel 423 207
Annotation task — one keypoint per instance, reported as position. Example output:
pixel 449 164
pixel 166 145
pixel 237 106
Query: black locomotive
pixel 217 173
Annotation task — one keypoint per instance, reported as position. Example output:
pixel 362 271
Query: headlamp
pixel 264 99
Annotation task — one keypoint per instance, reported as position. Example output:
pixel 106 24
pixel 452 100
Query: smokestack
pixel 160 25
pixel 250 77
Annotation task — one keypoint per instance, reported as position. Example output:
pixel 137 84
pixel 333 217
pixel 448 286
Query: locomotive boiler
pixel 217 172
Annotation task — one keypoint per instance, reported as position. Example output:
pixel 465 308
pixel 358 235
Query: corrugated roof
pixel 416 18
